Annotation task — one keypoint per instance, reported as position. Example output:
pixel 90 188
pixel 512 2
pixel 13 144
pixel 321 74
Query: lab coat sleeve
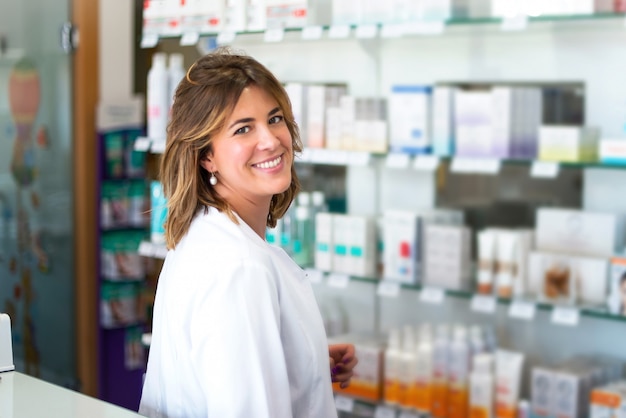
pixel 236 343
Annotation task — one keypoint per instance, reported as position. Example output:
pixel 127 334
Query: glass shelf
pixel 592 312
pixel 477 21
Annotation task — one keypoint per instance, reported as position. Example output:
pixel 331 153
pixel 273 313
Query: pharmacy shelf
pixel 420 162
pixel 523 309
pixel 517 308
pixel 426 27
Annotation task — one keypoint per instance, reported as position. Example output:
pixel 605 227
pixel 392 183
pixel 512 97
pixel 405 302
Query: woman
pixel 236 329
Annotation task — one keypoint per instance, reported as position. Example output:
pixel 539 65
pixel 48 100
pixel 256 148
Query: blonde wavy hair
pixel 203 101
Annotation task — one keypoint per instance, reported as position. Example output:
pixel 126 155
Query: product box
pixel 542 391
pixel 256 15
pixel 473 114
pixel 447 256
pixel 573 231
pixel 443 121
pixel 318 99
pixel 161 17
pixel 617 279
pixel 362 246
pixel 370 125
pixel 410 119
pixel 235 15
pixel 341 244
pixel 562 278
pixel 608 401
pixel 298 13
pixel 568 143
pixel 613 151
pixel 297 93
pixel 402 246
pixel 201 16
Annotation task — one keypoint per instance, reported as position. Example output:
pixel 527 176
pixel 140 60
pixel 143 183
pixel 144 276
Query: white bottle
pixel 302 231
pixel 175 73
pixel 422 395
pixel 458 373
pixel 392 368
pixel 408 365
pixel 482 386
pixel 441 359
pixel 477 341
pixel 157 98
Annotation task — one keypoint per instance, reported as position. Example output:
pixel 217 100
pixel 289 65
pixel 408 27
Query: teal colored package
pixel 158 213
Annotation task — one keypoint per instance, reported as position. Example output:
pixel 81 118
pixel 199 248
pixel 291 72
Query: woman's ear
pixel 207 164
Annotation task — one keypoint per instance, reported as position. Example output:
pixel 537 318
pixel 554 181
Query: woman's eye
pixel 276 119
pixel 242 130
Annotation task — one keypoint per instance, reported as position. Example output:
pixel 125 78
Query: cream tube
pixel 507 263
pixel 486 261
pixel 508 380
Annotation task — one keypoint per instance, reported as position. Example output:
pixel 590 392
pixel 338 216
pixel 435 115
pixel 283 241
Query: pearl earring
pixel 213 179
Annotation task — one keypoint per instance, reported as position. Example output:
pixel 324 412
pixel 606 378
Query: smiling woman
pixel 236 328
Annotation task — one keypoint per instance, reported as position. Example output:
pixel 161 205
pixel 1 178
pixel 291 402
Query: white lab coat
pixel 237 332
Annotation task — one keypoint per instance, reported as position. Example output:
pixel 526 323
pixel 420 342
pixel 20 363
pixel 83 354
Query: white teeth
pixel 270 164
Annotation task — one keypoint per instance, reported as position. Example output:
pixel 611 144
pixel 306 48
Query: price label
pixel 336 157
pixel 359 159
pixel 383 411
pixel 366 31
pixel 226 37
pixel 314 275
pixel 149 40
pixel 484 304
pixel 339 32
pixel 544 169
pixel 463 165
pixel 146 249
pixel 305 155
pixel 344 404
pixel 158 146
pixel 487 166
pixel 160 251
pixel 388 289
pixel 392 31
pixel 398 160
pixel 274 35
pixel 311 33
pixel 514 23
pixel 522 310
pixel 189 38
pixel 566 316
pixel 339 281
pixel 432 295
pixel 426 162
pixel 142 144
pixel 434 27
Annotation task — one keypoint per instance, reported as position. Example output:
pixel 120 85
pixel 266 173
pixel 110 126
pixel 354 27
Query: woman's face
pixel 252 154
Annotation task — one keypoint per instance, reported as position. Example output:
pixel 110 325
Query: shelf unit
pixel 388 54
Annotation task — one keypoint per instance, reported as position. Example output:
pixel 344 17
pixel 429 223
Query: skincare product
pixel 410 118
pixel 508 380
pixel 157 98
pixel 458 374
pixel 158 213
pixel 482 387
pixel 486 261
pixel 392 368
pixel 441 359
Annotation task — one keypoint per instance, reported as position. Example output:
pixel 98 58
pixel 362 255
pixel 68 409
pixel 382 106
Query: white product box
pixel 6 344
pixel 542 391
pixel 561 278
pixel 579 232
pixel 568 143
pixel 235 15
pixel 447 256
pixel 202 16
pixel 473 113
pixel 362 246
pixel 161 17
pixel 334 127
pixel 511 252
pixel 402 246
pixel 613 151
pixel 318 99
pixel 617 279
pixel 298 13
pixel 324 244
pixel 443 120
pixel 370 125
pixel 410 118
pixel 341 244
pixel 297 93
pixel 256 15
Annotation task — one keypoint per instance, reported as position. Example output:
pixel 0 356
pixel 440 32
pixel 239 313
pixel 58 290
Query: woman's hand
pixel 342 361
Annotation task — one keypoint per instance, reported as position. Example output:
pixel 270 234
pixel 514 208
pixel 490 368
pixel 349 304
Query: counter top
pixel 23 396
